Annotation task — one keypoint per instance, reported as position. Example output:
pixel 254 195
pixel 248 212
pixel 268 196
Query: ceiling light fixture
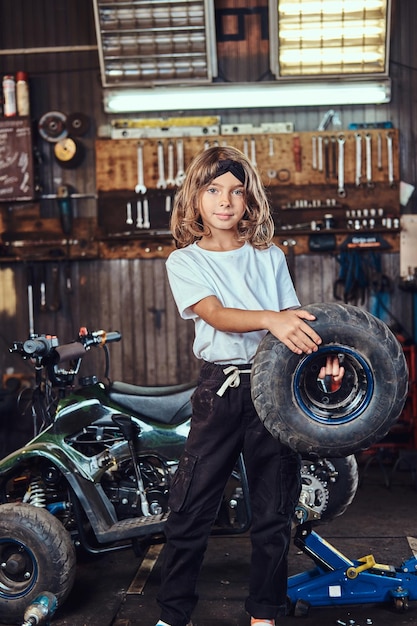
pixel 247 96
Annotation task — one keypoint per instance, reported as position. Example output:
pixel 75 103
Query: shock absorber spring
pixel 35 495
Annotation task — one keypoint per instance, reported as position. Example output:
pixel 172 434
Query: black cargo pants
pixel 221 427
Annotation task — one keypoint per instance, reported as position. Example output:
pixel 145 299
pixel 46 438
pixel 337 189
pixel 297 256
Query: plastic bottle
pixel 22 94
pixel 9 96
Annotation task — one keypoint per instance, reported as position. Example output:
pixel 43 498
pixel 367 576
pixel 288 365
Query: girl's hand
pixel 290 328
pixel 332 369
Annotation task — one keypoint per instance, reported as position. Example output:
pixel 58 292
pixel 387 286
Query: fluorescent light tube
pixel 247 96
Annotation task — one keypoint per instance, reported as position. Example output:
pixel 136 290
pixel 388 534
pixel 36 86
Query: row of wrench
pixel 172 179
pixel 138 214
pixel 327 151
pixel 175 151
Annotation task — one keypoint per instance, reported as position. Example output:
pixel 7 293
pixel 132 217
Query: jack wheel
pixel 301 608
pixel 401 604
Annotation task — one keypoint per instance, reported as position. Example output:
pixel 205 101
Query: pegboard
pixel 282 159
pixel 306 175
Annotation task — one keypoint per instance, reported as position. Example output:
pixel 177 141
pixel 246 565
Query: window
pixel 329 37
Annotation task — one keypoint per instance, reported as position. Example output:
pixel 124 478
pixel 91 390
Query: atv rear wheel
pixel 328 486
pixel 309 416
pixel 36 555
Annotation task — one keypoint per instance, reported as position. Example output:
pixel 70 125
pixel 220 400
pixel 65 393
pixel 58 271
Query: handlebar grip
pixel 37 347
pixel 70 351
pixel 113 335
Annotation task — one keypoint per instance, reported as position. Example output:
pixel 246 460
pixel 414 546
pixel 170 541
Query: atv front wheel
pixel 36 555
pixel 311 416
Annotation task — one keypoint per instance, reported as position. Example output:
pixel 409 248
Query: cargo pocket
pixel 181 482
pixel 290 483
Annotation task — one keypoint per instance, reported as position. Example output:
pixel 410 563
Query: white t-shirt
pixel 246 278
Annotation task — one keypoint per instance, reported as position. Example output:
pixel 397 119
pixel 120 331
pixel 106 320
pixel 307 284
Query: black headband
pixel 235 168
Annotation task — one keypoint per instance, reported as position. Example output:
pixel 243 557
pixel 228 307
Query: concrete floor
pixel 118 590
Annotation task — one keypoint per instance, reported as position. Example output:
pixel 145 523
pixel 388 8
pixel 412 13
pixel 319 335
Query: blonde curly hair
pixel 256 226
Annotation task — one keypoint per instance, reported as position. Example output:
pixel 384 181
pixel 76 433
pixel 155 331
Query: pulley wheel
pixel 78 124
pixel 53 126
pixel 69 152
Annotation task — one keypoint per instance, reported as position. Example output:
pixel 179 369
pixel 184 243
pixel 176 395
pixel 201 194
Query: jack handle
pixel 368 563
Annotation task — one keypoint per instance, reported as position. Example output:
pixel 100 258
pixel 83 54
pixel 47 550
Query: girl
pixel 228 277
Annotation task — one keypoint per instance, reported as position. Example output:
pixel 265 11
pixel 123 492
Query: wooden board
pixel 275 155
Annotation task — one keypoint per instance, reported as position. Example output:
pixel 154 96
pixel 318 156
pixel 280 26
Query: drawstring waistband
pixel 233 378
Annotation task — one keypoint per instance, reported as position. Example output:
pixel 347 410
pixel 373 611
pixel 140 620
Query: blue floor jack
pixel 336 580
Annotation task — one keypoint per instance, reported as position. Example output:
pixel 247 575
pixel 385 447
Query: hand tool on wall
pixel 368 149
pixel 65 209
pixel 180 162
pixel 326 157
pixel 170 178
pixel 129 219
pixel 139 216
pixel 379 151
pixel 140 186
pixel 314 152
pixel 358 159
pixel 390 159
pixel 320 153
pixel 245 149
pixel 333 170
pixel 341 192
pixel 161 182
pixel 146 220
pixel 253 152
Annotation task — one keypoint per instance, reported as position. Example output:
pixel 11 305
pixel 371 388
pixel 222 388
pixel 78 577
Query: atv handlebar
pixel 47 353
pixel 47 348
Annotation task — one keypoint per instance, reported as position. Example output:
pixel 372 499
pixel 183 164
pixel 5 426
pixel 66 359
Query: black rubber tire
pixel 296 409
pixel 36 554
pixel 328 488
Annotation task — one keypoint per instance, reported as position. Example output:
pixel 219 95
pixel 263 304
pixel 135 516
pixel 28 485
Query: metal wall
pixel 132 295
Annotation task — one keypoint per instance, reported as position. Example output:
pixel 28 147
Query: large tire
pixel 297 408
pixel 36 555
pixel 328 486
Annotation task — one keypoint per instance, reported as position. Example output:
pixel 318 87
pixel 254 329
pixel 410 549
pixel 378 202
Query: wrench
pixel 180 162
pixel 326 157
pixel 140 187
pixel 379 152
pixel 314 152
pixel 341 167
pixel 170 179
pixel 320 153
pixel 333 164
pixel 358 166
pixel 139 217
pixel 390 160
pixel 161 183
pixel 368 148
pixel 253 152
pixel 245 148
pixel 146 222
pixel 129 219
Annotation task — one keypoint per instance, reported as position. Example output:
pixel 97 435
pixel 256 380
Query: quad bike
pixel 96 475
